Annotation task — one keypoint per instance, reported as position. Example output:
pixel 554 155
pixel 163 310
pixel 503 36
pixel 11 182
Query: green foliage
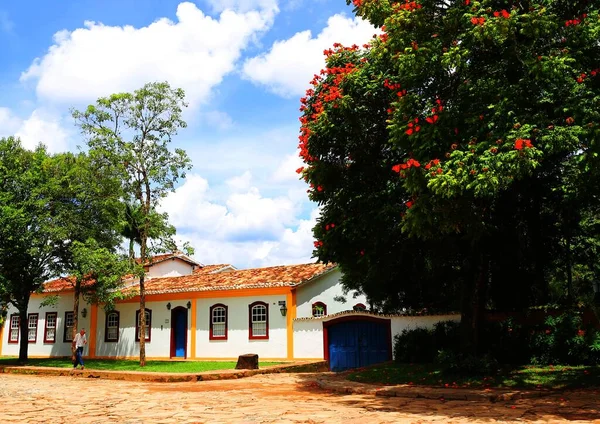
pixel 466 364
pixel 421 345
pixel 555 377
pixel 564 340
pixel 129 134
pixel 455 157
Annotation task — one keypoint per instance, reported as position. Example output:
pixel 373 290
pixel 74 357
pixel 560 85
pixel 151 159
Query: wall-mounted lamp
pixel 169 306
pixel 283 308
pixel 84 312
pixel 189 304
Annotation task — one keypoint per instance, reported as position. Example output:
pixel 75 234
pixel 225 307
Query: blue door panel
pixel 355 344
pixel 180 333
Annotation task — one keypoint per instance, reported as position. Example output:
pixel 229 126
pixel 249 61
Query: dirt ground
pixel 274 398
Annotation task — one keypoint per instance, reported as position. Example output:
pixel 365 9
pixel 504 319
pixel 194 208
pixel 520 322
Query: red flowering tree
pixel 480 98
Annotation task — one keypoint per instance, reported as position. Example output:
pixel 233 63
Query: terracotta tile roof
pixel 209 269
pixel 276 276
pixel 64 284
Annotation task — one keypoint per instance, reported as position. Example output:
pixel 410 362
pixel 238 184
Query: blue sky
pixel 244 65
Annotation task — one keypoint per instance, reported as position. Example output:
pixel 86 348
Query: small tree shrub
pixel 421 345
pixel 563 339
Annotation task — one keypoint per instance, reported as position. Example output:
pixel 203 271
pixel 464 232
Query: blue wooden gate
pixel 358 342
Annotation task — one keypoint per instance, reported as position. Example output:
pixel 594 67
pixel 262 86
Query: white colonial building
pixel 203 312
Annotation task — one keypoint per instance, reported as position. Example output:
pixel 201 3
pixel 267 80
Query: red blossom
pixel 319 188
pixel 521 143
pixel 569 120
pixel 299 170
pixel 432 119
pixel 409 204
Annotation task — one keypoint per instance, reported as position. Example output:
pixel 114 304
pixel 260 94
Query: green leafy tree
pixel 131 133
pixel 29 226
pixel 480 96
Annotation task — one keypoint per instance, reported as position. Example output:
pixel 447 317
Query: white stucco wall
pixel 159 345
pixel 39 348
pixel 170 268
pixel 308 339
pixel 308 334
pixel 325 289
pixel 238 342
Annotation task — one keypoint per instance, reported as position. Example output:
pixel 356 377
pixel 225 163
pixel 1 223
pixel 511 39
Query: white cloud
pixel 244 5
pixel 43 127
pixel 290 64
pixel 287 169
pixel 246 228
pixel 9 122
pixel 194 53
pixel 241 182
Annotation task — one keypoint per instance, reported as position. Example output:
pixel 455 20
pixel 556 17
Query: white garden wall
pixel 308 333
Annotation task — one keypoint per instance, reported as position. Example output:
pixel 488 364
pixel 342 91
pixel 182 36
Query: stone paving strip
pixel 268 398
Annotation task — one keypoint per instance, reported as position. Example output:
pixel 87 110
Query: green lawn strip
pixel 528 377
pixel 130 365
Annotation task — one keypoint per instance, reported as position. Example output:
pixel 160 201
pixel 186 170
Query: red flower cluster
pixel 576 21
pixel 409 204
pixel 409 164
pixel 477 21
pixel 433 119
pixel 300 170
pixel 391 85
pixel 570 120
pixel 502 13
pixel 328 226
pixel 521 143
pixel 431 163
pixel 581 78
pixel 357 3
pixel 413 127
pixel 318 244
pixel 408 5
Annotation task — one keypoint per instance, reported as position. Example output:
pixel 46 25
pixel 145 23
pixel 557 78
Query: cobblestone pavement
pixel 276 398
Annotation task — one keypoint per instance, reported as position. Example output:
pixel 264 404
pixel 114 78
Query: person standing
pixel 79 342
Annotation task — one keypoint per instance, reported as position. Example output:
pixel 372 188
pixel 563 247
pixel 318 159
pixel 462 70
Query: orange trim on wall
pixel 93 329
pixel 291 315
pixel 270 291
pixel 192 354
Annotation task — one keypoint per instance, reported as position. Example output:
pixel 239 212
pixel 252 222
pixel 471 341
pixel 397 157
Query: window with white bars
pixel 259 321
pixel 69 321
pixel 32 325
pixel 319 309
pixel 112 326
pixel 50 328
pixel 219 322
pixel 13 337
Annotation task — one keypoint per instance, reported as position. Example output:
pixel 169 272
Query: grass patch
pixel 527 377
pixel 129 365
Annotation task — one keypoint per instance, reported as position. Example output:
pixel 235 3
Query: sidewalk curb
pixel 483 395
pixel 161 377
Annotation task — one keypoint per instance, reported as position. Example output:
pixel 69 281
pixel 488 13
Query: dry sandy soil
pixel 275 398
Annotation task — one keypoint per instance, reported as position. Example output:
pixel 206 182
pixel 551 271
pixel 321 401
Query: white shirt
pixel 80 340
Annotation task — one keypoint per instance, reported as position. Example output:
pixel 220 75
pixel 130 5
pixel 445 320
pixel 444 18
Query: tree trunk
pixel 569 266
pixel 24 332
pixel 131 251
pixel 77 291
pixel 143 304
pixel 473 305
